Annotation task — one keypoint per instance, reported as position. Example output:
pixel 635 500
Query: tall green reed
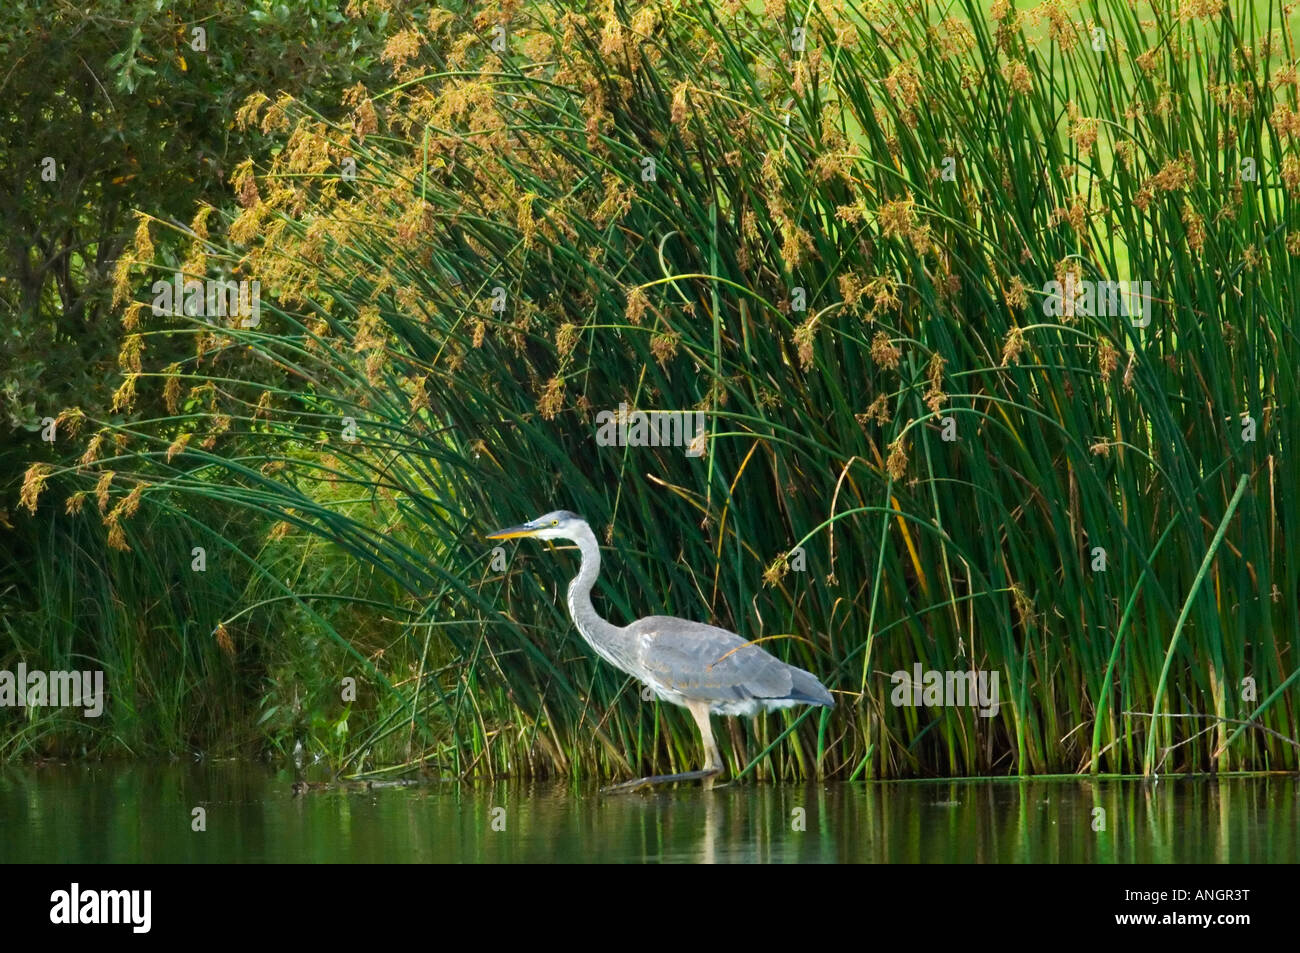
pixel 840 254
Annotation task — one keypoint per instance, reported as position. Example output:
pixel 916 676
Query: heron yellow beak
pixel 511 532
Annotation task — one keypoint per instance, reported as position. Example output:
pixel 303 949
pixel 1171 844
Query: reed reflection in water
pixel 144 813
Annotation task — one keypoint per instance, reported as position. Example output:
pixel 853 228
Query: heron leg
pixel 712 759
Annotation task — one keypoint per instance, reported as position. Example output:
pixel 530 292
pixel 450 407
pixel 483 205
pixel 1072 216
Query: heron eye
pixel 555 522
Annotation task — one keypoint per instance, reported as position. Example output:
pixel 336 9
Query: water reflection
pixel 135 813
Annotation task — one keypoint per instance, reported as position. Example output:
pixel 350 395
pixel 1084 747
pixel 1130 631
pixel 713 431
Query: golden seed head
pixel 663 345
pixel 116 535
pixel 132 502
pixel 552 400
pixel 1015 343
pixel 420 397
pixel 128 358
pixel 1194 225
pixel 124 396
pixel 877 411
pixel 172 388
pixel 93 448
pixel 896 463
pixel 637 303
pixel 804 337
pixel 178 445
pixel 224 641
pixel 246 114
pixel 1107 358
pixel 776 571
pixel 33 483
pixel 101 489
pixel 884 352
pixel 1018 77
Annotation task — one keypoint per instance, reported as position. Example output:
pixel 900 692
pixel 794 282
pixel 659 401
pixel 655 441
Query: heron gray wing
pixel 702 661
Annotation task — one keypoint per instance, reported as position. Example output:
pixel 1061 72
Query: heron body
pixel 704 669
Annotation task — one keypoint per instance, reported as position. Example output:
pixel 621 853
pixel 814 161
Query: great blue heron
pixel 700 667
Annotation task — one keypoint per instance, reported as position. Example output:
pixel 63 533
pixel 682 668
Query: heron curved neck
pixel 599 634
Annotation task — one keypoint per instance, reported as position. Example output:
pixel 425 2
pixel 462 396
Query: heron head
pixel 560 524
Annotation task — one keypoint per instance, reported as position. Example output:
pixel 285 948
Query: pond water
pixel 131 813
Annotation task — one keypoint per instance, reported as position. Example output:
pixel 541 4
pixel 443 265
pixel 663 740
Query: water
pixel 131 813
